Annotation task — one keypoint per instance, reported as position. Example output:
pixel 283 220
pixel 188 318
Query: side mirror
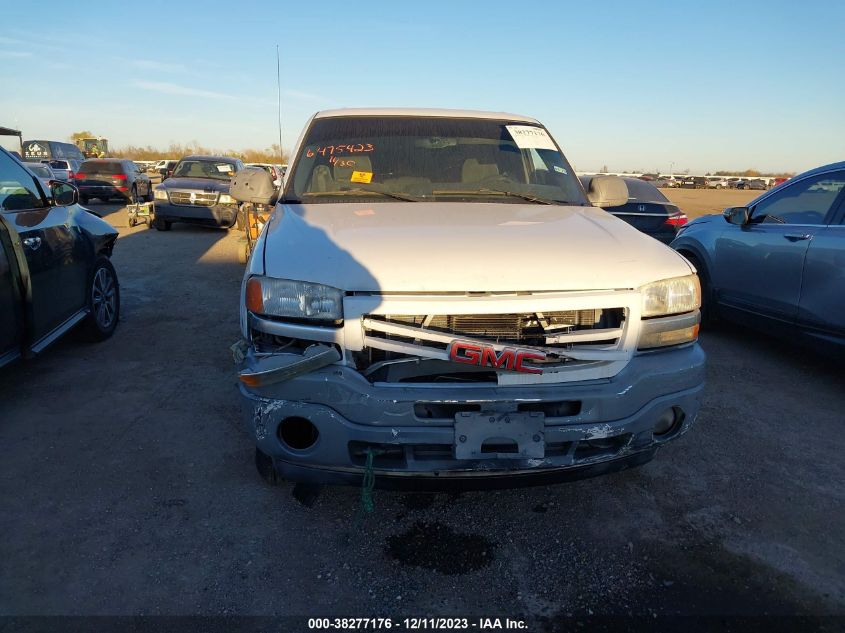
pixel 64 194
pixel 737 215
pixel 607 191
pixel 254 185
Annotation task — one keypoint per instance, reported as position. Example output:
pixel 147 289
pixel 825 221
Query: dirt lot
pixel 698 202
pixel 127 486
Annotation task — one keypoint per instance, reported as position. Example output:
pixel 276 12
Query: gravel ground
pixel 697 202
pixel 127 486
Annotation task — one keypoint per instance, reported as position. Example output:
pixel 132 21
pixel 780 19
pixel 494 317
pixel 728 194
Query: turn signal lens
pixel 254 296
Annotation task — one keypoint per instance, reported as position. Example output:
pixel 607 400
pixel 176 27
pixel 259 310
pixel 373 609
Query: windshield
pixel 430 158
pixel 214 169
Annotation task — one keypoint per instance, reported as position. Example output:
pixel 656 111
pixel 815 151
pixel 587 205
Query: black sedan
pixel 647 210
pixel 55 271
pixel 198 193
pixel 107 178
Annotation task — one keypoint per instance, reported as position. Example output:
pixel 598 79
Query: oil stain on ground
pixel 439 547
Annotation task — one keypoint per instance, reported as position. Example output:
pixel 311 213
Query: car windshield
pixel 214 169
pixel 58 164
pixel 430 158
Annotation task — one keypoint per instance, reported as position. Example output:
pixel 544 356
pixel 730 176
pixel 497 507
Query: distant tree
pixel 76 136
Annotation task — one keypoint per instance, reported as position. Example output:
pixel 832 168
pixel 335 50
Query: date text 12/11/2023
pixel 417 624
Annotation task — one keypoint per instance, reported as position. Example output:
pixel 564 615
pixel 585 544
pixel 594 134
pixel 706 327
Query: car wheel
pixel 162 225
pixel 264 466
pixel 708 317
pixel 103 301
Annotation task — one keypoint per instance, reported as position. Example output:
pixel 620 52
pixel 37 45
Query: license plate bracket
pixel 498 435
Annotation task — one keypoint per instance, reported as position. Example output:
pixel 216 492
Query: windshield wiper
pixel 525 196
pixel 358 191
pixel 501 192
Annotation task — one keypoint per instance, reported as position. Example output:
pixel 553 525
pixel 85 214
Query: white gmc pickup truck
pixel 437 301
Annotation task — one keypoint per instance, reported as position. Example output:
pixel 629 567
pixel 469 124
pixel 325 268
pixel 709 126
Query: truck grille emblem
pixel 510 358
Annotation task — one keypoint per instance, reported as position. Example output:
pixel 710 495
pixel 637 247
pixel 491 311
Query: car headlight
pixel 160 194
pixel 671 296
pixel 226 199
pixel 293 299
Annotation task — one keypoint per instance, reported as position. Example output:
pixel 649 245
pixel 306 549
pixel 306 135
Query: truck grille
pixel 522 329
pixel 193 198
pixel 571 338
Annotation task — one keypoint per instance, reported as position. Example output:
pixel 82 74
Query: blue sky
pixel 630 85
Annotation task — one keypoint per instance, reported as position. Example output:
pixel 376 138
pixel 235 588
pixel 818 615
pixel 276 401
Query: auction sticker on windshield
pixel 528 136
pixel 361 176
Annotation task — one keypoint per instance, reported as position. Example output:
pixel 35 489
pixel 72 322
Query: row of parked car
pixel 443 299
pixel 703 182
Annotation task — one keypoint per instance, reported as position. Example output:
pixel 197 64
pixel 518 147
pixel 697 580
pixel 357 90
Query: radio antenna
pixel 279 95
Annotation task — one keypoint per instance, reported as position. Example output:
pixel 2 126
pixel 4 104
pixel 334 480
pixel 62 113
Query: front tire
pixel 265 467
pixel 103 301
pixel 162 225
pixel 708 312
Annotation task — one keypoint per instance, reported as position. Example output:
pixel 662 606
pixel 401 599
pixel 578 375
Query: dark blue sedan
pixel 779 263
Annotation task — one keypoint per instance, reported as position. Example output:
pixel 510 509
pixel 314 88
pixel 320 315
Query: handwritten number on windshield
pixel 332 150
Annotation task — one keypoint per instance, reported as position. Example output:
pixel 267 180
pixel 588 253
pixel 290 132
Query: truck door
pixel 55 252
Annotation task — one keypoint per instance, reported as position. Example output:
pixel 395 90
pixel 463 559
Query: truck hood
pixel 199 184
pixel 462 247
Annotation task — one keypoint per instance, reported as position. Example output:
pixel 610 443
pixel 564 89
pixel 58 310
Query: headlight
pixel 671 296
pixel 293 299
pixel 226 199
pixel 160 194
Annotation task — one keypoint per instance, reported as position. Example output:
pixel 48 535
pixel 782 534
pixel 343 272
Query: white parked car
pixel 274 171
pixel 437 300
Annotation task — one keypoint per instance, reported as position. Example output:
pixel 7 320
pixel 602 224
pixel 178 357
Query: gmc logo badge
pixel 486 356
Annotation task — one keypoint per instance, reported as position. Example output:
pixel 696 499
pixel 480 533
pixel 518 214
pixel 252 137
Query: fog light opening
pixel 298 434
pixel 668 423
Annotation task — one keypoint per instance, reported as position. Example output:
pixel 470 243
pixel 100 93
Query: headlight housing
pixel 225 198
pixel 671 296
pixel 160 194
pixel 286 298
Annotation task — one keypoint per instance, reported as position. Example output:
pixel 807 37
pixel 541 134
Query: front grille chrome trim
pixel 607 353
pixel 182 198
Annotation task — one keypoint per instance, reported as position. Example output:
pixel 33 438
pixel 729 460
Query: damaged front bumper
pixel 318 424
